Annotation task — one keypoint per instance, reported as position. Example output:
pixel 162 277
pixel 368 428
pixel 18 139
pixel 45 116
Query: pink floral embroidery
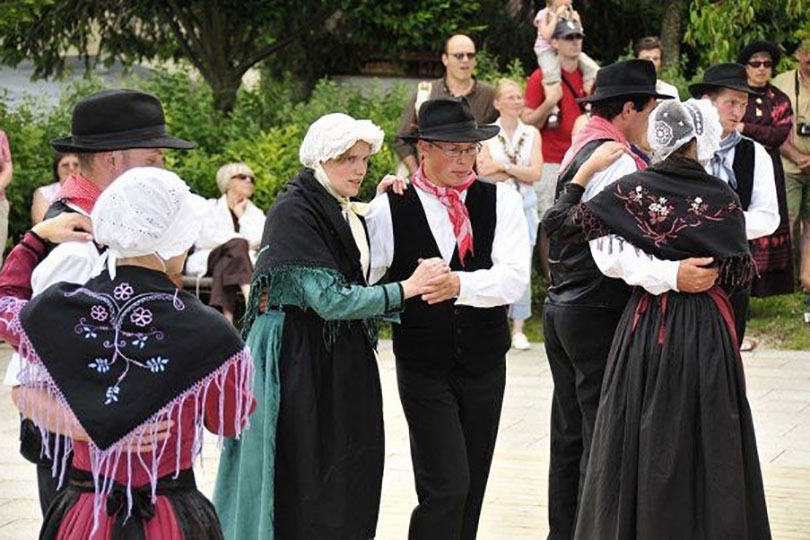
pixel 98 313
pixel 141 316
pixel 659 218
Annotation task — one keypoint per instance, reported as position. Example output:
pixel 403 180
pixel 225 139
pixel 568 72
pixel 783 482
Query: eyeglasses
pixel 455 151
pixel 572 37
pixel 760 63
pixel 460 56
pixel 242 177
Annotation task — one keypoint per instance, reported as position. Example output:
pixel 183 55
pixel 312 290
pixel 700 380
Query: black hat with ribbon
pixel 118 120
pixel 717 77
pixel 769 47
pixel 625 79
pixel 450 119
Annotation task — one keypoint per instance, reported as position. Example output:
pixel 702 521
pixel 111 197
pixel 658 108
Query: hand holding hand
pixel 693 277
pixel 428 270
pixel 66 227
pixel 393 183
pixel 442 288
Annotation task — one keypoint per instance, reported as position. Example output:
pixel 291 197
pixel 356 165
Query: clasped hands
pixel 433 281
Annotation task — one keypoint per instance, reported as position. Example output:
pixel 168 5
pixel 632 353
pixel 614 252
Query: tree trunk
pixel 224 88
pixel 671 33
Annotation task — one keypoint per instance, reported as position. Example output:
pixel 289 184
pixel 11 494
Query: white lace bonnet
pixel 333 134
pixel 673 124
pixel 145 210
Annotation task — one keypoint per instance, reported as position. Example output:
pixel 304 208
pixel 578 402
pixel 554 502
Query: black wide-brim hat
pixel 717 77
pixel 450 119
pixel 760 46
pixel 118 120
pixel 625 79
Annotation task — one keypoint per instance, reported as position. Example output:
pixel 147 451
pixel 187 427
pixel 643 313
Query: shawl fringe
pixel 104 463
pixel 282 285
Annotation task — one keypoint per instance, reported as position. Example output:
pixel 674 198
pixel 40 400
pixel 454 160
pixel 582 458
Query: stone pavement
pixel 515 507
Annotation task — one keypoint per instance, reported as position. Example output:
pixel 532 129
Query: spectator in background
pixel 546 22
pixel 63 166
pixel 567 41
pixel 769 120
pixel 796 154
pixel 229 240
pixel 649 48
pixel 515 156
pixel 6 172
pixel 459 62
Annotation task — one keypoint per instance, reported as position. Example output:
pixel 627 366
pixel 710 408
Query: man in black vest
pixel 451 344
pixel 584 301
pixel 740 161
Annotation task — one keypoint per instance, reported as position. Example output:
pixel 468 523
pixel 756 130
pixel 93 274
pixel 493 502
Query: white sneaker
pixel 521 342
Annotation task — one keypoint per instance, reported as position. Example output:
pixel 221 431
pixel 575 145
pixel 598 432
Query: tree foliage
pixel 719 30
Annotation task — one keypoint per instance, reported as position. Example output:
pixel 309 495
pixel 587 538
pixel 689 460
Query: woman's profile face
pixel 68 165
pixel 510 102
pixel 346 172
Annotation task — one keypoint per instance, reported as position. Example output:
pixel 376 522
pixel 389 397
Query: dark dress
pixel 311 465
pixel 768 120
pixel 673 454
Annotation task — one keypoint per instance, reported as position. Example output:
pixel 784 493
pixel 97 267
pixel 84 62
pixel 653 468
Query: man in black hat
pixel 112 131
pixel 451 344
pixel 740 161
pixel 585 301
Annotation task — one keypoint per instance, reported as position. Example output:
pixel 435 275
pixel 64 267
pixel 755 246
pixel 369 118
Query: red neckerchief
pixel 79 191
pixel 456 209
pixel 597 129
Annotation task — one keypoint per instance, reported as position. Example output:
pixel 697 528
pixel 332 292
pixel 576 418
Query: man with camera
pixel 796 154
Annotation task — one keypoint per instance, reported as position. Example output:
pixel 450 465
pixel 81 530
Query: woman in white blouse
pixel 229 240
pixel 515 156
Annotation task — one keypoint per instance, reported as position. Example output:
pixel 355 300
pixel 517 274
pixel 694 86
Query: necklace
pixel 512 155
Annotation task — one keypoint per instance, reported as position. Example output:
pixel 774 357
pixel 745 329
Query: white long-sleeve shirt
pixel 632 266
pixel 762 216
pixel 503 283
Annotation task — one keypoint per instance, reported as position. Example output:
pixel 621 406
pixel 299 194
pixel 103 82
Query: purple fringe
pixel 738 272
pixel 105 463
pixel 592 226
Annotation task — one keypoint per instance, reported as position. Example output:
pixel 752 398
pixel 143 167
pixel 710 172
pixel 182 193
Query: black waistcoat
pixel 575 278
pixel 435 339
pixel 743 167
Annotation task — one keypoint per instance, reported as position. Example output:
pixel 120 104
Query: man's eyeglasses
pixel 760 63
pixel 242 177
pixel 455 151
pixel 460 56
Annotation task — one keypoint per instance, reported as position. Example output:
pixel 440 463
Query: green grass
pixel 779 322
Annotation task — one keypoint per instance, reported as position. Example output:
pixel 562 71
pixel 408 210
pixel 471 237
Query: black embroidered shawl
pixel 672 211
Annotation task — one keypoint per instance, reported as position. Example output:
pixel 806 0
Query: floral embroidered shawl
pixel 673 211
pixel 121 355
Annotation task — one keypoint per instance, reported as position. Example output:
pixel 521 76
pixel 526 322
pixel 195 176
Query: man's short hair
pixel 648 43
pixel 613 107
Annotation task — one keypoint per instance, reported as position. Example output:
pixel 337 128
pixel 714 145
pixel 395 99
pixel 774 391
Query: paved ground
pixel 515 508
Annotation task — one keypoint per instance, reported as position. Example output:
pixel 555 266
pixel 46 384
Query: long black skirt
pixel 330 444
pixel 674 454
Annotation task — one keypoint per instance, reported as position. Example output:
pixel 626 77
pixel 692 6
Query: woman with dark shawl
pixel 768 120
pixel 673 453
pixel 131 369
pixel 311 466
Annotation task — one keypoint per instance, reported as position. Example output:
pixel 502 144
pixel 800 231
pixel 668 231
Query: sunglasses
pixel 760 63
pixel 460 56
pixel 572 37
pixel 242 177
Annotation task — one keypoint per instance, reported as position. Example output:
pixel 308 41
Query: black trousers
pixel 739 304
pixel 47 485
pixel 453 423
pixel 577 343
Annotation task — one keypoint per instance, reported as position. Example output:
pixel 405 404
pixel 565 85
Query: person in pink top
pixel 157 366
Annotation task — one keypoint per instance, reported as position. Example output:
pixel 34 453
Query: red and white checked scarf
pixel 450 197
pixel 80 192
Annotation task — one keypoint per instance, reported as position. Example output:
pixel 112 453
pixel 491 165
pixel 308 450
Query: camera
pixel 803 129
